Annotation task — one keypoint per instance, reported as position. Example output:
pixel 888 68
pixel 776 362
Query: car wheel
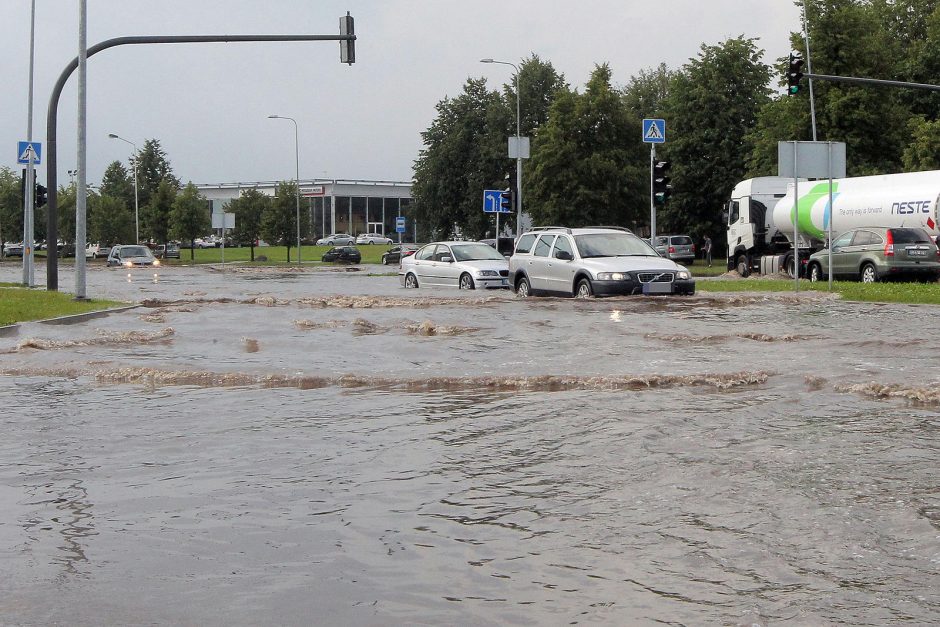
pixel 869 274
pixel 815 273
pixel 384 260
pixel 584 289
pixel 466 282
pixel 740 264
pixel 523 290
pixel 411 281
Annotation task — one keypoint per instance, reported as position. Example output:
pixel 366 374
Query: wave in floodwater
pixel 336 301
pixel 715 339
pixel 104 338
pixel 925 395
pixel 539 383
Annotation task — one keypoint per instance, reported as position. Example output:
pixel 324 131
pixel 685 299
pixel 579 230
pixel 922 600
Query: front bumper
pixel 630 287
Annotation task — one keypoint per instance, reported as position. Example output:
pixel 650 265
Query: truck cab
pixel 751 231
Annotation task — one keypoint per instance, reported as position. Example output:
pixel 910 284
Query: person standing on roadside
pixel 708 251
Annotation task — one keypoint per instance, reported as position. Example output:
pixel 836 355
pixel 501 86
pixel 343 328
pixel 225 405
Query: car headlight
pixel 682 274
pixel 128 264
pixel 156 262
pixel 611 276
pixel 487 273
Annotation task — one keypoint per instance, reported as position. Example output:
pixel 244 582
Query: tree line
pixel 166 209
pixel 724 118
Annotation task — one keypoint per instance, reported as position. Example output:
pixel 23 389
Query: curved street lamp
pixel 296 176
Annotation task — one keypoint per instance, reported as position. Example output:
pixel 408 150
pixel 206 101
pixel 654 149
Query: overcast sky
pixel 208 103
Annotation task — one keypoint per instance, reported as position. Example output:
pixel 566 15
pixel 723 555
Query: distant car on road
pixel 170 251
pixel 395 253
pixel 465 265
pixel 131 256
pixel 373 238
pixel 336 239
pixel 346 254
pixel 12 250
pixel 679 248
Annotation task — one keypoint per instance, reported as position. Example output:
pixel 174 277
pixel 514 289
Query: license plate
pixel 917 253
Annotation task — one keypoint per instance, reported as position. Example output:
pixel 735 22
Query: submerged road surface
pixel 261 446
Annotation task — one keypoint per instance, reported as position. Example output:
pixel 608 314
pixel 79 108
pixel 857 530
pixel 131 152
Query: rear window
pixel 682 240
pixel 525 243
pixel 910 236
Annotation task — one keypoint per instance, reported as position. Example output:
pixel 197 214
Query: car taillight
pixel 693 248
pixel 889 245
pixel 672 250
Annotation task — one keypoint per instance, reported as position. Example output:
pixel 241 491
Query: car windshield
pixel 475 252
pixel 613 245
pixel 135 251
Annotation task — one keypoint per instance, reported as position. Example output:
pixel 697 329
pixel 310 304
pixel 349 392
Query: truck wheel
pixel 815 273
pixel 740 264
pixel 788 266
pixel 869 274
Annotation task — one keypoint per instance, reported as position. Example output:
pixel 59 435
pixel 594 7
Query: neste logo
pixel 907 208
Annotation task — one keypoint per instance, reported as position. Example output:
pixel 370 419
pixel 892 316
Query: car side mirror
pixel 836 249
pixel 563 255
pixel 447 259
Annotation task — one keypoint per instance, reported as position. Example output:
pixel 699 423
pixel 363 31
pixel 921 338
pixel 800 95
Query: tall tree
pixel 110 220
pixel 248 210
pixel 279 219
pixel 153 166
pixel 464 153
pixel 646 92
pixel 712 105
pixel 588 164
pixel 158 215
pixel 190 215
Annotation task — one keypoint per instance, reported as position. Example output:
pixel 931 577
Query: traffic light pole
pixel 52 215
pixel 652 195
pixel 29 194
pixel 872 81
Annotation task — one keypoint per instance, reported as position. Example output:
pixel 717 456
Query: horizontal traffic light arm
pixel 872 81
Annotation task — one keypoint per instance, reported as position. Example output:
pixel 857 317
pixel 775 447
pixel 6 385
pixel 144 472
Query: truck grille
pixel 655 277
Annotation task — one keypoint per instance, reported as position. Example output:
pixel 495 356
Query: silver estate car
pixel 466 265
pixel 592 261
pixel 876 253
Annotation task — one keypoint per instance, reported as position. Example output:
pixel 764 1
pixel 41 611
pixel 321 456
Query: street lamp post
pixel 296 176
pixel 136 197
pixel 518 148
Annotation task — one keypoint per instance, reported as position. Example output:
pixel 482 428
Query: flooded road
pixel 283 447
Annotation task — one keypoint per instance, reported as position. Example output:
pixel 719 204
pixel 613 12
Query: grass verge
pixel 911 293
pixel 20 304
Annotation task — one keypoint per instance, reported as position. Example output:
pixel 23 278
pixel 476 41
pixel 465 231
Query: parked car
pixel 336 239
pixel 12 250
pixel 373 238
pixel 346 254
pixel 97 251
pixel 594 261
pixel 395 253
pixel 132 255
pixel 679 248
pixel 466 265
pixel 505 245
pixel 876 253
pixel 169 251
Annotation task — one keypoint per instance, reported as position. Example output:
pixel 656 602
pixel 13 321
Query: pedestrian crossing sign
pixel 654 131
pixel 28 152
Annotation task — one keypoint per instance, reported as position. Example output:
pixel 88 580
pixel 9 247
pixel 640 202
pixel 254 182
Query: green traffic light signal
pixel 794 73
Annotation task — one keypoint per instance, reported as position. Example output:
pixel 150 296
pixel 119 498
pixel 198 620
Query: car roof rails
pixel 550 228
pixel 616 228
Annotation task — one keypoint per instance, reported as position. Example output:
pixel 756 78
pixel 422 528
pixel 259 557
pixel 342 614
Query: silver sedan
pixel 466 265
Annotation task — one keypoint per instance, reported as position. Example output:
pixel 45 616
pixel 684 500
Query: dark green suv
pixel 876 253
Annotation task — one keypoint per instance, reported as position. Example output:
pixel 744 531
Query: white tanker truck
pixel 760 214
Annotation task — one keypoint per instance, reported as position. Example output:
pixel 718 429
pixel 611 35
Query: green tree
pixel 464 153
pixel 539 84
pixel 110 220
pixel 11 206
pixel 279 217
pixel 713 104
pixel 157 217
pixel 588 166
pixel 153 167
pixel 645 93
pixel 248 209
pixel 923 151
pixel 189 216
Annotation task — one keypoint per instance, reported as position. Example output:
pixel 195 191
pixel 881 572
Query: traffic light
pixel 40 195
pixel 347 47
pixel 505 201
pixel 794 73
pixel 661 187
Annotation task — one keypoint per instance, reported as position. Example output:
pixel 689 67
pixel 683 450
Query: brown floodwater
pixel 271 447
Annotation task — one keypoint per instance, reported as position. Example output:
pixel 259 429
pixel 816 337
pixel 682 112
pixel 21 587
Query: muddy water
pixel 296 448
